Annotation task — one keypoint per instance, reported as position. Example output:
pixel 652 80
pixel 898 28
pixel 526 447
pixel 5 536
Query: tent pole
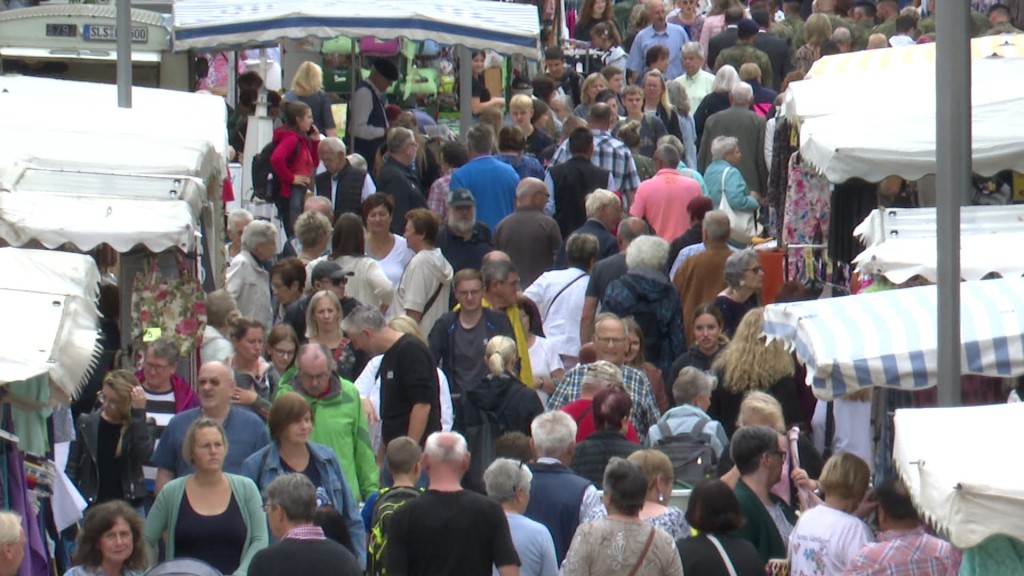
pixel 465 91
pixel 124 53
pixel 953 159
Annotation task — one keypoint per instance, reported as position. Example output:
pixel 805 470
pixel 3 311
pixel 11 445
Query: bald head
pixel 445 457
pixel 315 369
pixel 531 193
pixel 877 41
pixel 630 229
pixel 216 386
pixel 842 39
pixel 495 255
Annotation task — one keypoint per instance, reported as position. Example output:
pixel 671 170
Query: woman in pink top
pixel 294 161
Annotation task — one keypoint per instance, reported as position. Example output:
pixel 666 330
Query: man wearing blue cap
pixel 744 51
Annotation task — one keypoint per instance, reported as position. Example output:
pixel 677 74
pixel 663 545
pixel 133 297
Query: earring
pixel 661 497
pixel 743 283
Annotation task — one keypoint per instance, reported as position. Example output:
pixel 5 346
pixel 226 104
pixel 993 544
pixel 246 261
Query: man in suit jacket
pixel 726 38
pixel 342 183
pixel 747 127
pixel 776 48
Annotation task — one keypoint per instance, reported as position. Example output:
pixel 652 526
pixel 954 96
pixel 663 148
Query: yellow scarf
pixel 525 370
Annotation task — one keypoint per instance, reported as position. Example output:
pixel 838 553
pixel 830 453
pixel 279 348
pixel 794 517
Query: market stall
pixel 964 482
pixel 889 338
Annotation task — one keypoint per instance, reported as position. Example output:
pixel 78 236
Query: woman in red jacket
pixel 294 161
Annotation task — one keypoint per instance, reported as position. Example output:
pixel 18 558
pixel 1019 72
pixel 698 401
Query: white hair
pixel 553 433
pixel 693 48
pixel 598 200
pixel 239 215
pixel 258 232
pixel 648 252
pixel 10 527
pixel 504 476
pixel 742 94
pixel 725 79
pixel 333 145
pixel 446 448
pixel 722 145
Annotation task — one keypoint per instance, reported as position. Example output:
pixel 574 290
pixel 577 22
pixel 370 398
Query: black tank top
pixel 217 540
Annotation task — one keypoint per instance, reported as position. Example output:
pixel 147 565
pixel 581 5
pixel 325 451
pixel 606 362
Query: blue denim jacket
pixel 265 465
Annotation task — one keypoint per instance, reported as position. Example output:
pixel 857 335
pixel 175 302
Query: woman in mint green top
pixel 209 515
pixel 110 543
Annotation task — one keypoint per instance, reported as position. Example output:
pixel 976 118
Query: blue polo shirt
pixel 245 431
pixel 672 37
pixel 493 184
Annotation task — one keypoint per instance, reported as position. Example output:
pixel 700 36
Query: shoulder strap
pixel 643 553
pixel 564 288
pixel 585 413
pixel 721 552
pixel 433 297
pixel 664 428
pixel 698 428
pixel 830 429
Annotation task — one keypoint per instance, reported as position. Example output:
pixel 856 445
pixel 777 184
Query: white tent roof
pixel 960 473
pixel 844 136
pixel 901 242
pixel 901 349
pixel 507 27
pixel 164 113
pixel 48 303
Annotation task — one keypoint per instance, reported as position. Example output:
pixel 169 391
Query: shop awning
pixel 52 324
pixel 890 338
pixel 86 209
pixel 960 471
pixel 901 242
pixel 507 27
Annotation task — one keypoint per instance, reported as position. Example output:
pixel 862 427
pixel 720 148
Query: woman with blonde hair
pixel 747 364
pixel 592 86
pixel 499 397
pixel 828 537
pixel 368 384
pixel 817 30
pixel 656 102
pixel 115 435
pixel 308 87
pixel 323 326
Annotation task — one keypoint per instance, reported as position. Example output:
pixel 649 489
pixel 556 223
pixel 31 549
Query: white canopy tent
pixel 890 338
pixel 48 302
pixel 900 242
pixel 961 476
pixel 844 136
pixel 506 27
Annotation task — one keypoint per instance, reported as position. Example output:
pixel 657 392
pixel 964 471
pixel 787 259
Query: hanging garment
pixel 783 147
pixel 808 204
pixel 852 201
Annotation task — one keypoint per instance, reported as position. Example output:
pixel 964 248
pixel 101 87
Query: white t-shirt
pixel 544 360
pixel 395 262
pixel 561 315
pixel 825 541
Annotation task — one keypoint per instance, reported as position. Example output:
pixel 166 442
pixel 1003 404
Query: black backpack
pixel 692 457
pixel 265 184
pixel 390 500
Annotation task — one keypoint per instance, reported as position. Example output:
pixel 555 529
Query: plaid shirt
pixel 645 411
pixel 305 532
pixel 906 553
pixel 613 156
pixel 437 199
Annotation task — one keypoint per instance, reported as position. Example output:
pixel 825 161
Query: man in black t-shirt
pixel 449 531
pixel 409 390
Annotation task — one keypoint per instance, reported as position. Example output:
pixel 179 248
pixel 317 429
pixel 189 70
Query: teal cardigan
pixel 164 517
pixel 759 528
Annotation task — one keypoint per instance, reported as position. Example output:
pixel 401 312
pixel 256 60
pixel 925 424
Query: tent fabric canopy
pixel 508 28
pixel 49 301
pixel 890 338
pixel 901 242
pixel 844 137
pixel 961 477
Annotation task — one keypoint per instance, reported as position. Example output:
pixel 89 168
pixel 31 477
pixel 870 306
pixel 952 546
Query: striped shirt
pixel 613 156
pixel 160 406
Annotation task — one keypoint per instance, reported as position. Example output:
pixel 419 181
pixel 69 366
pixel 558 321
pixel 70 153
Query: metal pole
pixel 953 155
pixel 124 53
pixel 465 91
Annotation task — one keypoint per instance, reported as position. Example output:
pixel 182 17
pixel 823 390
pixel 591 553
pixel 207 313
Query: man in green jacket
pixel 768 520
pixel 338 418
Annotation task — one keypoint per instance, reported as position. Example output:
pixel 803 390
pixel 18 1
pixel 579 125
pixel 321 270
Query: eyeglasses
pixel 157 367
pixel 755 269
pixel 284 352
pixel 780 453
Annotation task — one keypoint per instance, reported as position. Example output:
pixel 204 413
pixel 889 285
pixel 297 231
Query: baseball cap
pixel 461 197
pixel 747 27
pixel 328 270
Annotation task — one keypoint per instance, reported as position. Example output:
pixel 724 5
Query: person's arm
pixel 549 206
pixel 349 510
pixel 365 459
pixel 418 421
pixel 635 62
pixel 361 107
pixel 281 158
pixel 156 524
pixel 252 507
pixel 141 447
pixel 414 314
pixel 587 319
pixel 737 190
pixel 328 115
pixel 511 570
pixel 163 476
pixel 703 153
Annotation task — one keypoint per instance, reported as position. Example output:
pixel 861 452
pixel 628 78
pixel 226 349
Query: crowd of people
pixel 505 354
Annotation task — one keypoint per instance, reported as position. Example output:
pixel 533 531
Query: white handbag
pixel 743 225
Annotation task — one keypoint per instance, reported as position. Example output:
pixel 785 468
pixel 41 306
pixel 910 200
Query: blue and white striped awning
pixel 891 338
pixel 505 27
